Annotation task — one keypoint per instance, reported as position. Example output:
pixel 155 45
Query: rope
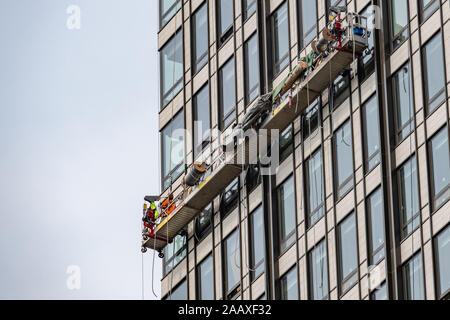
pixel 142 275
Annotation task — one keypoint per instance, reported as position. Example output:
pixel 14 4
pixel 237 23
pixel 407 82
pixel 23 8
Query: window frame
pixel 276 65
pixel 321 206
pixel 311 272
pixel 302 35
pixel 226 208
pixel 282 247
pixel 175 254
pixel 422 10
pixel 178 166
pixel 205 142
pixel 161 15
pixel 402 224
pixel 428 101
pixel 373 252
pixel 253 264
pixel 404 279
pixel 339 195
pixel 341 280
pixel 405 31
pixel 246 4
pixel 445 295
pixel 434 196
pixel 287 148
pixel 202 231
pixel 368 158
pixel 284 276
pixel 196 66
pixel 228 33
pixel 249 91
pixel 235 291
pixel 224 118
pixel 199 277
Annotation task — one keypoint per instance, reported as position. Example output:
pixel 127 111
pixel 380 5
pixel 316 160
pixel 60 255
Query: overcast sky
pixel 78 138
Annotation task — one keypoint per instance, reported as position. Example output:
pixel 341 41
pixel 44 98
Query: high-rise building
pixel 359 205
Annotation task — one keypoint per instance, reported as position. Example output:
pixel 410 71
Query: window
pixel 375 217
pixel 280 39
pixel 399 22
pixel 289 285
pixel 311 118
pixel 286 143
pixel 380 293
pixel 179 293
pixel 227 93
pixel 251 69
pixel 200 38
pixel 344 160
pixel 402 101
pixel 315 202
pixel 428 7
pixel 286 213
pixel 203 222
pixel 257 243
pixel 225 20
pixel 335 3
pixel 232 266
pixel 252 178
pixel 348 254
pixel 172 145
pixel 318 272
pixel 201 117
pixel 341 89
pixel 229 198
pixel 167 9
pixel 367 61
pixel 249 8
pixel 205 276
pixel 174 252
pixel 443 262
pixel 308 25
pixel 171 59
pixel 440 170
pixel 371 124
pixel 408 198
pixel 413 279
pixel 434 68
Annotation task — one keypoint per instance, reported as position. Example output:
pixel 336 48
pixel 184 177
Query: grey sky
pixel 79 147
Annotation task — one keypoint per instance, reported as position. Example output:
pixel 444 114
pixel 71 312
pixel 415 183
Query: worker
pixel 150 215
pixel 167 206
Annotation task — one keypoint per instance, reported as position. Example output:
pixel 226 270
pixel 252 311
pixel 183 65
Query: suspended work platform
pixel 332 54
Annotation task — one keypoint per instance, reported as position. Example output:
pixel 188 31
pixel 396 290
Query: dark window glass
pixel 343 160
pixel 200 38
pixel 315 188
pixel 249 8
pixel 232 265
pixel 434 73
pixel 428 7
pixel 408 197
pixel 335 3
pixel 372 155
pixel 257 243
pixel 311 118
pixel 251 69
pixel 341 89
pixel 375 217
pixel 201 117
pixel 402 101
pixel 380 293
pixel 252 178
pixel 399 21
pixel 443 261
pixel 206 279
pixel 289 285
pixel 171 69
pixel 348 254
pixel 167 9
pixel 179 293
pixel 318 272
pixel 440 168
pixel 172 146
pixel 286 211
pixel 203 222
pixel 174 252
pixel 227 94
pixel 308 21
pixel 229 198
pixel 226 17
pixel 280 33
pixel 413 279
pixel 286 143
